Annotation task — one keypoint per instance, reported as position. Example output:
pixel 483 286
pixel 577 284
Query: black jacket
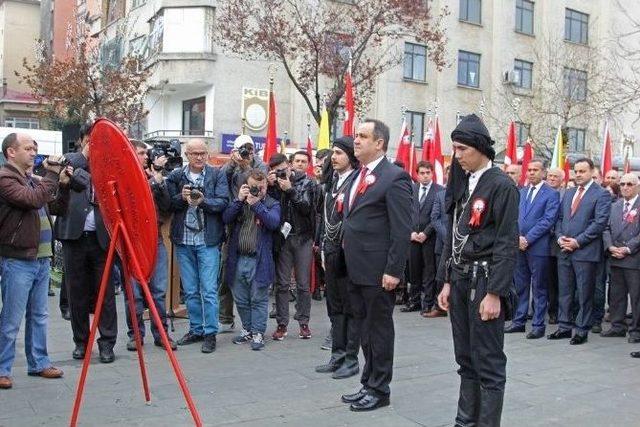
pixel 297 204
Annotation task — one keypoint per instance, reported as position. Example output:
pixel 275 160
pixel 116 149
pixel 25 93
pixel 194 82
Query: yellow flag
pixel 323 137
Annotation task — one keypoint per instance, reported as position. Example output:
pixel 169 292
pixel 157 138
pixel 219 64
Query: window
pixel 111 53
pixel 415 122
pixel 415 62
pixel 576 139
pixel 471 11
pixel 522 133
pixel 193 115
pixel 575 84
pixel 523 73
pixel 524 16
pixel 138 47
pixel 136 3
pixel 187 30
pixel 576 26
pixel 468 69
pixel 22 122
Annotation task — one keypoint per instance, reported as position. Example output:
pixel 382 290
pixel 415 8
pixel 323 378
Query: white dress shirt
pixel 475 177
pixel 586 188
pixel 535 190
pixel 370 167
pixel 342 176
pixel 424 189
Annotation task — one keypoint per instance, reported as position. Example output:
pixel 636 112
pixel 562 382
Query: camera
pixel 254 190
pixel 245 152
pixel 62 161
pixel 282 173
pixel 170 149
pixel 196 191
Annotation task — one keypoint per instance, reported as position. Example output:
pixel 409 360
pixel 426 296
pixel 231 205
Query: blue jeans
pixel 24 284
pixel 251 299
pixel 199 269
pixel 158 289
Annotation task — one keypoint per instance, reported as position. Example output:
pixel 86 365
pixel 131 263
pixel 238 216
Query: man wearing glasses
pixel 199 194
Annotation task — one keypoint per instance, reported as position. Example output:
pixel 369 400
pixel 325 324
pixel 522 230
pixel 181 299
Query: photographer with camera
pixel 254 217
pixel 199 194
pixel 159 280
pixel 296 193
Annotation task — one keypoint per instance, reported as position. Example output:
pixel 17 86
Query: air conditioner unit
pixel 511 77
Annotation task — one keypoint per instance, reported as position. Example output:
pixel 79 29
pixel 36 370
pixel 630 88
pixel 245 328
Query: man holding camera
pixel 159 280
pixel 295 191
pixel 253 217
pixel 26 251
pixel 199 194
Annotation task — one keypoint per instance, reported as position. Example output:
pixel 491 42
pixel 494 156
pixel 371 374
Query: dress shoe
pixel 534 335
pixel 559 334
pixel 345 372
pixel 354 397
pixel 209 343
pixel 106 355
pixel 49 373
pixel 332 366
pixel 370 402
pixel 634 354
pixel 513 329
pixel 189 338
pixel 578 339
pixel 131 344
pixel 613 333
pixel 66 315
pixel 597 328
pixel 78 352
pixel 553 319
pixel 436 312
pixel 172 344
pixel 410 307
pixel 6 383
pixel 633 339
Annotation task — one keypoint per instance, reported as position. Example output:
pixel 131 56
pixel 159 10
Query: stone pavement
pixel 550 383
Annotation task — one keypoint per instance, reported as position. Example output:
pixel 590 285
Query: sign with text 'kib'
pixel 255 104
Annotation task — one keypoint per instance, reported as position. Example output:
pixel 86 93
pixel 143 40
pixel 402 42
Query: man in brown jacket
pixel 26 251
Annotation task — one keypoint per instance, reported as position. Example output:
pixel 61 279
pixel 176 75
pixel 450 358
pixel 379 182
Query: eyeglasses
pixel 627 184
pixel 198 154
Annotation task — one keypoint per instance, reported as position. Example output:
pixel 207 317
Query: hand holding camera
pixel 65 175
pixel 243 192
pixel 254 195
pixel 55 163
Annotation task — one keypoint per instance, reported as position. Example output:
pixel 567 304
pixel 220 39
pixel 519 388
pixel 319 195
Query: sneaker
pixel 190 338
pixel 280 333
pixel 172 343
pixel 209 343
pixel 244 337
pixel 225 328
pixel 305 332
pixel 327 342
pixel 131 344
pixel 257 342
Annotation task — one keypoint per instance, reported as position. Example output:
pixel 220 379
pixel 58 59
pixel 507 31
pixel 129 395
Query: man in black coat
pixel 376 245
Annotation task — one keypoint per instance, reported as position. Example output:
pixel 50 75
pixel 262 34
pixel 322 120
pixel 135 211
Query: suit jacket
pixel 588 223
pixel 421 217
pixel 440 220
pixel 537 219
pixel 623 233
pixel 376 227
pixel 554 248
pixel 70 225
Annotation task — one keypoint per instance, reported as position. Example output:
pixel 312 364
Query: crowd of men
pixel 360 228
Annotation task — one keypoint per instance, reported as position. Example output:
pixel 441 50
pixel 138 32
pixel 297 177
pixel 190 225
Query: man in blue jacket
pixel 199 194
pixel 538 213
pixel 254 217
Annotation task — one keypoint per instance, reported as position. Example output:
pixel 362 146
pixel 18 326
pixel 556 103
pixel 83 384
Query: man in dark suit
pixel 622 242
pixel 538 212
pixel 440 221
pixel 422 268
pixel 84 243
pixel 583 216
pixel 555 179
pixel 376 245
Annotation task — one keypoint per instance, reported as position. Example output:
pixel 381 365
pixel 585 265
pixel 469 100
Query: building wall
pixel 21 29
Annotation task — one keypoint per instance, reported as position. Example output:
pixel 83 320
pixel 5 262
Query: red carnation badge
pixel 368 181
pixel 631 216
pixel 477 209
pixel 340 203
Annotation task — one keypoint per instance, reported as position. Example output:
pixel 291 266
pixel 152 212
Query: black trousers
pixel 552 286
pixel 64 294
pixel 422 274
pixel 625 281
pixel 374 306
pixel 84 262
pixel 345 328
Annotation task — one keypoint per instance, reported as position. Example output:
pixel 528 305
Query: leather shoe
pixel 613 333
pixel 172 344
pixel 534 335
pixel 354 397
pixel 345 372
pixel 6 383
pixel 436 312
pixel 131 344
pixel 633 339
pixel 327 368
pixel 106 355
pixel 50 373
pixel 578 339
pixel 597 328
pixel 634 354
pixel 513 328
pixel 78 352
pixel 559 334
pixel 66 314
pixel 370 402
pixel 410 307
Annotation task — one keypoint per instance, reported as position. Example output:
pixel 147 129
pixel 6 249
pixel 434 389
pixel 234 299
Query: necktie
pixel 423 193
pixel 529 196
pixel 361 184
pixel 627 205
pixel 577 200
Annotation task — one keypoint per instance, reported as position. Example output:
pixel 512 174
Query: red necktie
pixel 577 200
pixel 361 184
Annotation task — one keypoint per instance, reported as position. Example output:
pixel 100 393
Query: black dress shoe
pixel 345 372
pixel 106 355
pixel 189 338
pixel 411 307
pixel 613 333
pixel 78 352
pixel 209 343
pixel 172 344
pixel 635 354
pixel 633 340
pixel 131 344
pixel 559 334
pixel 66 315
pixel 354 397
pixel 513 328
pixel 534 335
pixel 578 339
pixel 370 402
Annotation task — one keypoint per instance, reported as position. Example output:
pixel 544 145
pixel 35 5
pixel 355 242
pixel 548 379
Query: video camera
pixel 170 149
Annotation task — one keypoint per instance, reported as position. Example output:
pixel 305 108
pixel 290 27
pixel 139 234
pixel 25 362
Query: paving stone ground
pixel 550 383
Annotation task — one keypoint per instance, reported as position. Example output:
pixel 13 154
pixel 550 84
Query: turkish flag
pixel 271 144
pixel 349 108
pixel 510 155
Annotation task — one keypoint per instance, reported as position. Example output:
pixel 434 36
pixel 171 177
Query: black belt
pixel 88 234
